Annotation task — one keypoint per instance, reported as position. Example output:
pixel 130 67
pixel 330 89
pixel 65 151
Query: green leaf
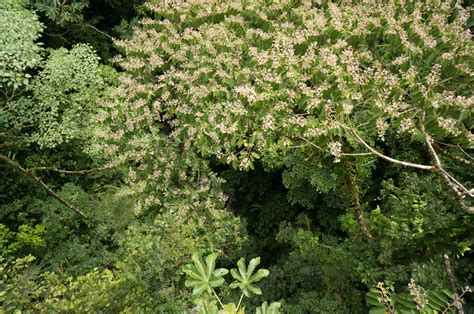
pixel 274 308
pixel 252 265
pixel 198 263
pixel 206 306
pixel 199 288
pixel 234 285
pixel 437 300
pixel 203 276
pixel 236 275
pixel 262 273
pixel 254 289
pixel 377 310
pixel 220 272
pixel 231 308
pixel 210 263
pixel 245 277
pixel 242 268
pixel 216 281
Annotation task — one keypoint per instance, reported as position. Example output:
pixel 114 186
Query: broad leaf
pixel 231 308
pixel 202 275
pixel 274 308
pixel 245 277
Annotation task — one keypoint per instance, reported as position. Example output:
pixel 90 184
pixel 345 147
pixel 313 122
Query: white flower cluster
pixel 420 296
pixel 449 125
pixel 335 148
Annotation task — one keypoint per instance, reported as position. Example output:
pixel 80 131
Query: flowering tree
pixel 243 80
pixel 362 107
pixel 335 87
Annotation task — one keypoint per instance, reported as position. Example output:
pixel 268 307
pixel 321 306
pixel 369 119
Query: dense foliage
pixel 142 140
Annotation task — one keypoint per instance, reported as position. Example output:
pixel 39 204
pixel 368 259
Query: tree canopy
pixel 148 147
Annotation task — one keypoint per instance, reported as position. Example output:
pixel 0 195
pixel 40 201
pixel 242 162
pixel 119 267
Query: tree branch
pixel 452 284
pixel 459 190
pixel 309 142
pixel 83 171
pixel 356 154
pixel 354 191
pixel 43 185
pixel 85 24
pixel 454 157
pixel 458 147
pixel 393 160
pixel 13 130
pixel 452 183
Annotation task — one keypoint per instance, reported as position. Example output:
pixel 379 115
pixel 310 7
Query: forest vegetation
pixel 236 156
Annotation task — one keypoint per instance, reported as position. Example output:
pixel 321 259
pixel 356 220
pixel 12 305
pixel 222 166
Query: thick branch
pixel 459 190
pixel 393 160
pixel 43 185
pixel 354 190
pixel 452 284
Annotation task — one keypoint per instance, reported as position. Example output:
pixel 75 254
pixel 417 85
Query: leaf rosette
pixel 245 277
pixel 202 274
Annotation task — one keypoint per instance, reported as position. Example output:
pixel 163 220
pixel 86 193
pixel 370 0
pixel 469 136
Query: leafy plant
pixel 245 277
pixel 383 299
pixel 203 277
pixel 20 29
pixel 26 236
pixel 273 308
pixel 61 12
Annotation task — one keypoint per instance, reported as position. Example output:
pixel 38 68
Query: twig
pixel 356 154
pixel 464 291
pixel 309 142
pixel 456 146
pixel 217 297
pixel 45 187
pixel 70 171
pixel 13 130
pixel 459 185
pixel 454 157
pixel 97 30
pixel 455 186
pixel 298 146
pixel 238 305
